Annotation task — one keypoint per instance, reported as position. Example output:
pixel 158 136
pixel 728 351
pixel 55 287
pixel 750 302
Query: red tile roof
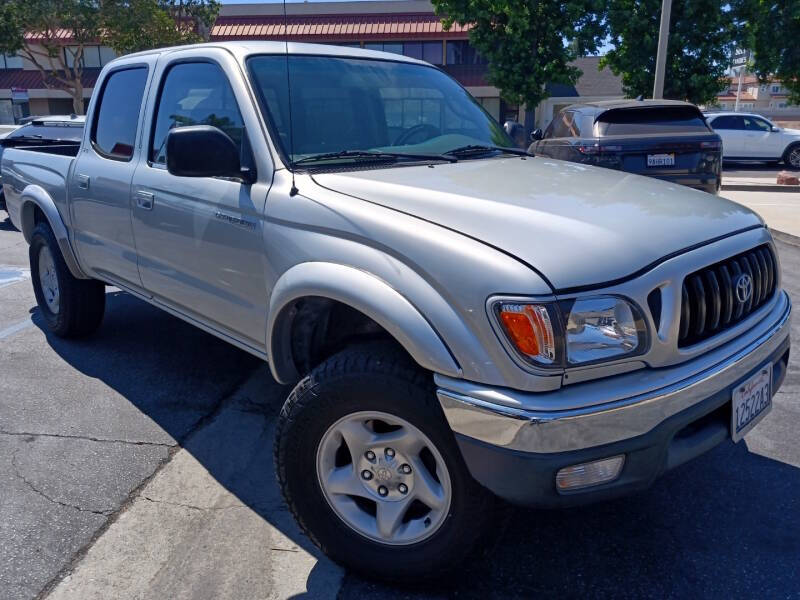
pixel 341 27
pixel 32 80
pixel 62 35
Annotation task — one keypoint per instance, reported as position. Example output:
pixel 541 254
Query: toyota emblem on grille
pixel 744 288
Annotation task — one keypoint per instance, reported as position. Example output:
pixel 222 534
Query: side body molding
pixel 359 290
pixel 34 196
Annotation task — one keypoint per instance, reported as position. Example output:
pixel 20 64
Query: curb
pixel 786 238
pixel 743 187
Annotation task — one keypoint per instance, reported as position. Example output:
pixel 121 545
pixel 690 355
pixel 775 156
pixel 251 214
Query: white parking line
pixel 16 328
pixel 10 275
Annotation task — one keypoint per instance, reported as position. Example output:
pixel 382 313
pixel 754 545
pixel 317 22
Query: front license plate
pixel 660 160
pixel 752 400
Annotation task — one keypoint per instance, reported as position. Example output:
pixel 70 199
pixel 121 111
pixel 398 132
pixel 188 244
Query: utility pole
pixel 661 57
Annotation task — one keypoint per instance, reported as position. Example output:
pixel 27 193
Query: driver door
pixel 757 138
pixel 200 239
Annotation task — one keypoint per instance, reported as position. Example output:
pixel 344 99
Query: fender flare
pixel 361 291
pixel 36 196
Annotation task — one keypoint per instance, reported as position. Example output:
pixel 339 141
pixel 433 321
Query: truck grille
pixel 717 297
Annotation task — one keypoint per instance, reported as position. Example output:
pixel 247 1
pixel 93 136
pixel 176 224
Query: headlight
pixel 603 328
pixel 573 332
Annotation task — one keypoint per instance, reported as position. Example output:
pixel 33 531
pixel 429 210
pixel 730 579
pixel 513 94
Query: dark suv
pixel 667 139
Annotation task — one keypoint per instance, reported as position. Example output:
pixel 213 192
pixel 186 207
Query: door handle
pixel 83 181
pixel 145 200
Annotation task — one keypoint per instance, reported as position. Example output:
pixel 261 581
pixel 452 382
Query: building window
pixel 776 89
pixel 427 51
pixel 763 88
pixel 94 57
pixel 10 61
pixel 460 52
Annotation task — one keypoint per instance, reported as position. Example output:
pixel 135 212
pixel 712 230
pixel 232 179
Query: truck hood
pixel 577 225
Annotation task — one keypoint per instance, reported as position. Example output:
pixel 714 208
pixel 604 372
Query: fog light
pixel 588 474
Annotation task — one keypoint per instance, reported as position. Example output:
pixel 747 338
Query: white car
pixel 746 136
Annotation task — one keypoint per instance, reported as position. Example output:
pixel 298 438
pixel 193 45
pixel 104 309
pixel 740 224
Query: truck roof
pixel 246 48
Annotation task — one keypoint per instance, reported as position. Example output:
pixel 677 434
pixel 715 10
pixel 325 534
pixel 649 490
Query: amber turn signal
pixel 529 328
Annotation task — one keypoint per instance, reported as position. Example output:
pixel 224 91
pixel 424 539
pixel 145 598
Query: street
pixel 138 464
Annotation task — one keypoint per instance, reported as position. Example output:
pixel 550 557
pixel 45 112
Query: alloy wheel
pixel 384 478
pixel 48 279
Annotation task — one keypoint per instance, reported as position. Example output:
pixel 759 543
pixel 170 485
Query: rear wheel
pixel 791 158
pixel 70 307
pixel 372 472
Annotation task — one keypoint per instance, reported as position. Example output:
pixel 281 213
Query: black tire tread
pixel 381 359
pixel 82 301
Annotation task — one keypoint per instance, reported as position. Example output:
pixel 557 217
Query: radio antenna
pixel 293 191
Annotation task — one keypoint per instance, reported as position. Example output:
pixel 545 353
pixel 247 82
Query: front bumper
pixel 516 452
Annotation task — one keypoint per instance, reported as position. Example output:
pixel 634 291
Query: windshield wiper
pixel 368 155
pixel 480 149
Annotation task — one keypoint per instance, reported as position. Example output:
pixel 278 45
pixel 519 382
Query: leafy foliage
pixel 698 53
pixel 772 31
pixel 37 29
pixel 133 25
pixel 528 43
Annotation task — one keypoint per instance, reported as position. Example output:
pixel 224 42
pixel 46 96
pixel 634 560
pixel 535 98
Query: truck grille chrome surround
pixel 723 294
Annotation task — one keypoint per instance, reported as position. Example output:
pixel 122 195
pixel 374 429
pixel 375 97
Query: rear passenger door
pixel 100 186
pixel 200 239
pixel 731 129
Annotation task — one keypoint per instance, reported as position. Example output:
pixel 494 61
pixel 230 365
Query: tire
pixel 791 158
pixel 372 380
pixel 70 307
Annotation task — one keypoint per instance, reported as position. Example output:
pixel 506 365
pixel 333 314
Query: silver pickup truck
pixel 458 316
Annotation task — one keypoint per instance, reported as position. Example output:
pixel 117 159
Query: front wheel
pixel 372 472
pixel 791 158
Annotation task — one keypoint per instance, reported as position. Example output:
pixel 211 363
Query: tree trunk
pixel 77 99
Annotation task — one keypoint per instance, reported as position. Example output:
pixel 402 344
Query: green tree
pixel 698 52
pixel 772 30
pixel 528 43
pixel 53 34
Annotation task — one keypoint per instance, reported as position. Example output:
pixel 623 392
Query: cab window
pixel 117 116
pixel 194 94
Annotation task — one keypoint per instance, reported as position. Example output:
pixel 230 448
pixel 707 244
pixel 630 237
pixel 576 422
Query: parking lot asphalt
pixel 137 463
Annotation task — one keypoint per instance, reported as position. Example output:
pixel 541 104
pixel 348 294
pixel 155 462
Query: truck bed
pixel 47 166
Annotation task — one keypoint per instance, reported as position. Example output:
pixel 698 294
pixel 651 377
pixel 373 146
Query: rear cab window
pixel 651 120
pixel 117 113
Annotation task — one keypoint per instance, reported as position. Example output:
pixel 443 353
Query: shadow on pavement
pixel 727 523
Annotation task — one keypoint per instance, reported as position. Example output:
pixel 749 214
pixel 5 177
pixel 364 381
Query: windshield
pixel 356 105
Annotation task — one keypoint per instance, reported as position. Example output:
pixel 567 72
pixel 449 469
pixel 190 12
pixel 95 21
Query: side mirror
pixel 516 132
pixel 204 151
pixel 536 135
pixel 774 129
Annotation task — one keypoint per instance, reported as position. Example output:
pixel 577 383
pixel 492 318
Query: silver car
pixel 461 321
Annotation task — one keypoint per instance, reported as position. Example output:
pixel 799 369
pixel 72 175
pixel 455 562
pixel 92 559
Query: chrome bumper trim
pixel 469 412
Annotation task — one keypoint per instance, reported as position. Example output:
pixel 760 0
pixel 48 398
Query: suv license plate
pixel 660 160
pixel 751 402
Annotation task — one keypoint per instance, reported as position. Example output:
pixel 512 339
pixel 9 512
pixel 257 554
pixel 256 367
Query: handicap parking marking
pixel 11 275
pixel 16 328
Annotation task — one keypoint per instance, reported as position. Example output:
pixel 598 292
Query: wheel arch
pixel 35 205
pixel 362 292
pixel 789 147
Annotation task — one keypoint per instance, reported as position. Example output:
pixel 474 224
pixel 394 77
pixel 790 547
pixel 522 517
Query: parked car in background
pixel 42 131
pixel 667 139
pixel 751 137
pixel 4 132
